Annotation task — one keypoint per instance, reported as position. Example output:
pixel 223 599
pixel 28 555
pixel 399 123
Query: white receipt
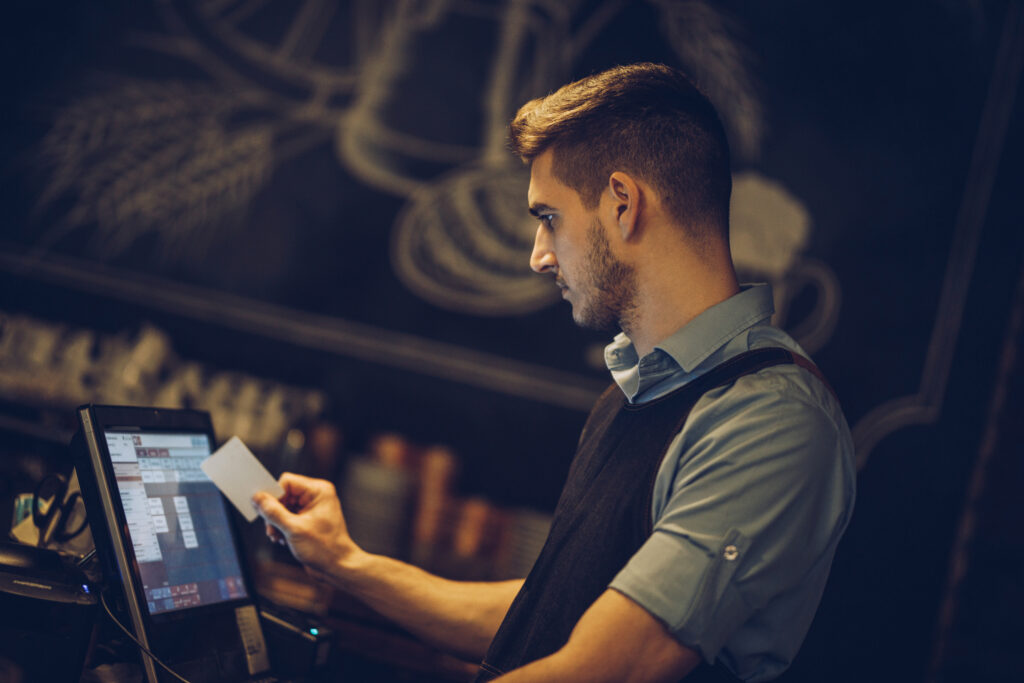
pixel 239 475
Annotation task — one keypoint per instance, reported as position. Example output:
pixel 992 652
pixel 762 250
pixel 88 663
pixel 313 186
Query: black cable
pixel 142 647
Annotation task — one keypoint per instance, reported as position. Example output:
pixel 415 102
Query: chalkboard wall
pixel 314 198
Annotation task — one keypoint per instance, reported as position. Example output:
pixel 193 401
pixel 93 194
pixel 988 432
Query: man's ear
pixel 626 203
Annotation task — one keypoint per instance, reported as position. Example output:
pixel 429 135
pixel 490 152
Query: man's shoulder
pixel 780 419
pixel 784 391
pixel 786 400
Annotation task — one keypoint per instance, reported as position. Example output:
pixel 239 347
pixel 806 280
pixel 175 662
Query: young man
pixel 713 479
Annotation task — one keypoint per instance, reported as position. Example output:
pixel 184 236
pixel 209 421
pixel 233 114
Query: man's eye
pixel 546 219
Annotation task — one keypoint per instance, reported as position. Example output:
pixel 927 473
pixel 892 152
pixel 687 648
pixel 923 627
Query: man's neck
pixel 669 298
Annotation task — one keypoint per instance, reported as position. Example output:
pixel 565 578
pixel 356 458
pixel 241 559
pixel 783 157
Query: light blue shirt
pixel 751 498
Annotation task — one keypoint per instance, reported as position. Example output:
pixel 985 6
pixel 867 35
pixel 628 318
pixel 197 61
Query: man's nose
pixel 543 257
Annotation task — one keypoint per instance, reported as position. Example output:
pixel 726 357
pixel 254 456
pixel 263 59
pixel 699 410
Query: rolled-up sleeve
pixel 756 490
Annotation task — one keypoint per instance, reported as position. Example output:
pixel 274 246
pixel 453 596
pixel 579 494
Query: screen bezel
pixel 121 419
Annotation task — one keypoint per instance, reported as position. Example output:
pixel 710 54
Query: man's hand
pixel 309 520
pixel 458 616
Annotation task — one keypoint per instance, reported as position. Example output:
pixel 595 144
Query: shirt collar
pixel 693 343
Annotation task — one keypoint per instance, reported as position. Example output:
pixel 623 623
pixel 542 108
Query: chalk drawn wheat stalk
pixel 152 158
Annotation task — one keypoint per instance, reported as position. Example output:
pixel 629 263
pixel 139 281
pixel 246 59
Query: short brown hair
pixel 646 119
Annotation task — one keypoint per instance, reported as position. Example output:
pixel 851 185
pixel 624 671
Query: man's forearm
pixel 458 616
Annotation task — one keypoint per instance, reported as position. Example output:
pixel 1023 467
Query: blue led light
pixel 85 588
pixel 314 631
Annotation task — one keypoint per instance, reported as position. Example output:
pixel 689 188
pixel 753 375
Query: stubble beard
pixel 609 294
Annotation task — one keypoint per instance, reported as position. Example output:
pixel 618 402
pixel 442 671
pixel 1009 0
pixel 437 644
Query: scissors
pixel 52 514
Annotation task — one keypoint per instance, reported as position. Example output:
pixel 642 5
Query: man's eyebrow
pixel 537 209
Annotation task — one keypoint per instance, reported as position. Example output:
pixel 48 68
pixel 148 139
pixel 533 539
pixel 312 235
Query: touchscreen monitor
pixel 167 544
pixel 177 522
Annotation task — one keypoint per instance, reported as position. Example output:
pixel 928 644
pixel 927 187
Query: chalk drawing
pixel 183 159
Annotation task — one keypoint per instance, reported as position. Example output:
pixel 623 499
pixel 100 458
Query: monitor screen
pixel 177 522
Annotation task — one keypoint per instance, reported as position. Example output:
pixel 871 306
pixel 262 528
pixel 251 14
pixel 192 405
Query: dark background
pixel 895 125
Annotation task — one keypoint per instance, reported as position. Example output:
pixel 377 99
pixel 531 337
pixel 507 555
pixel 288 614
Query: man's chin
pixel 588 321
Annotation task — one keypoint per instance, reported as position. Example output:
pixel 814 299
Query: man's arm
pixel 458 616
pixel 615 640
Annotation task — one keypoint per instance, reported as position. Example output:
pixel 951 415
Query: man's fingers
pixel 291 479
pixel 271 510
pixel 302 491
pixel 297 484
